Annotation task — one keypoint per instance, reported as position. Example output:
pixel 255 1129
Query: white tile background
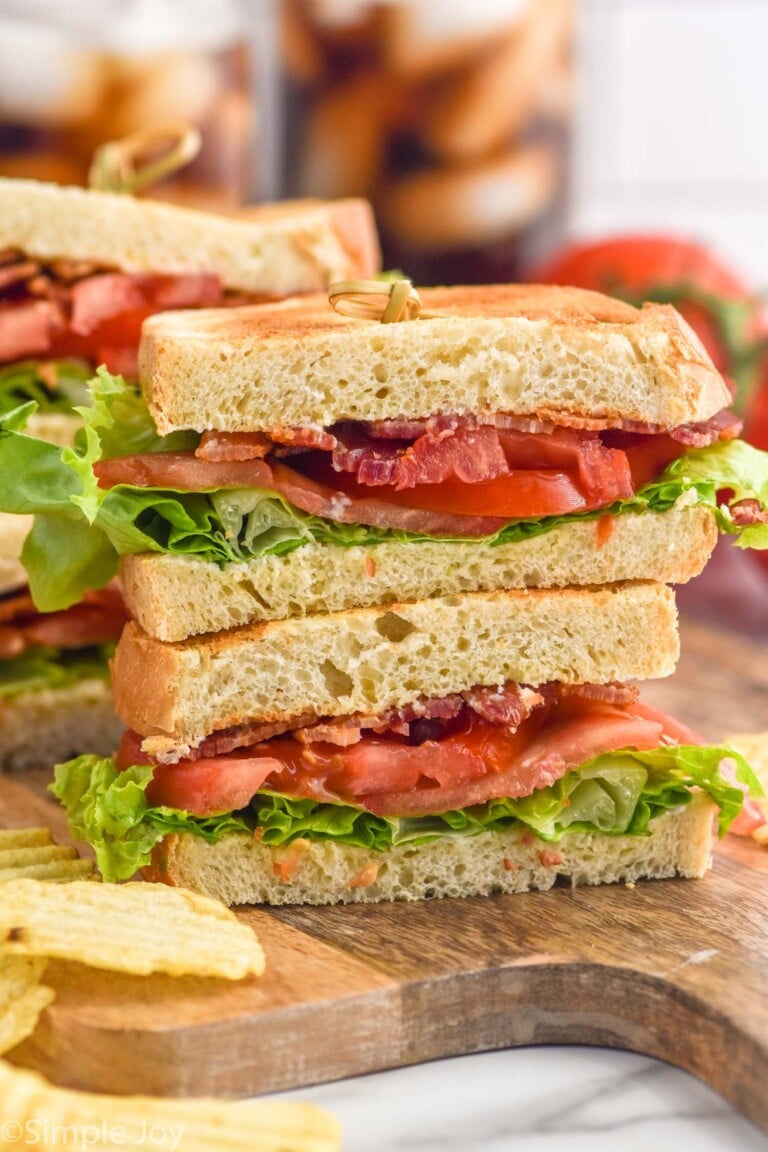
pixel 672 130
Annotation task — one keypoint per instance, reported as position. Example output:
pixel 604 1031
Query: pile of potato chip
pixel 31 853
pixel 130 928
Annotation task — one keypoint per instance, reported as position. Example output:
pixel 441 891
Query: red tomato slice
pixel 523 494
pixel 672 730
pixel 648 456
pixel 474 764
pixel 385 763
pixel 517 769
pixel 526 492
pixel 749 819
pixel 200 787
pixel 204 788
pixel 181 471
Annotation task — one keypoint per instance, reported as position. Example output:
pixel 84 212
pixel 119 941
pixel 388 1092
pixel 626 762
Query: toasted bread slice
pixel 554 353
pixel 240 870
pixel 39 729
pixel 13 533
pixel 276 250
pixel 55 427
pixel 367 659
pixel 173 597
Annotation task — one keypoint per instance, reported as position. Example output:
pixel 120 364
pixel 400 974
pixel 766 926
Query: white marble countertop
pixel 546 1099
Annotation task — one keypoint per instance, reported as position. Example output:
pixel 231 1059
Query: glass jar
pixel 451 117
pixel 79 74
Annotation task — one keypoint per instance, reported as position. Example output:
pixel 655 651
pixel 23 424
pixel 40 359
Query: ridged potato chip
pixel 32 853
pixel 24 837
pixel 22 998
pixel 137 928
pixel 29 1104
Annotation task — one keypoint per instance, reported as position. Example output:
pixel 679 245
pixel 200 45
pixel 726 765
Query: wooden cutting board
pixel 673 969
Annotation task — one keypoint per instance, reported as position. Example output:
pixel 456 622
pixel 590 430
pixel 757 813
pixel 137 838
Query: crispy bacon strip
pixel 509 704
pixel 724 425
pixel 67 271
pixel 461 453
pixel 244 736
pixel 221 446
pixel 613 693
pixel 438 426
pixel 217 447
pixel 16 272
pixel 304 437
pixel 347 730
pixel 746 512
pixel 396 429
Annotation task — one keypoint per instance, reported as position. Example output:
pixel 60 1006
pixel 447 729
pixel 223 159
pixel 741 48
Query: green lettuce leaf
pixel 59 387
pixel 44 667
pixel 115 423
pixel 110 810
pixel 235 525
pixel 733 466
pixel 614 793
pixel 63 559
pixel 284 818
pixel 619 792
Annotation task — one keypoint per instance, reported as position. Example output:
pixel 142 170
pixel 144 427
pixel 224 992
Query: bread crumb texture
pixel 240 870
pixel 366 659
pixel 174 597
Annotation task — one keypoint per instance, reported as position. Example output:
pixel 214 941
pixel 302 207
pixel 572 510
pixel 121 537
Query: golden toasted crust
pixel 173 597
pixel 240 870
pixel 274 250
pixel 367 659
pixel 522 349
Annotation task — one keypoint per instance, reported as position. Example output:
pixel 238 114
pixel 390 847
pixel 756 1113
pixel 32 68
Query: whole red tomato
pixel 756 427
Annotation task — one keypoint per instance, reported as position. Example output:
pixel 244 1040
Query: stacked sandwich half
pixel 392 591
pixel 79 272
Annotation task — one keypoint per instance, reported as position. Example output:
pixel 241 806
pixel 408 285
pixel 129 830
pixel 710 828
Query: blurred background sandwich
pixel 80 270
